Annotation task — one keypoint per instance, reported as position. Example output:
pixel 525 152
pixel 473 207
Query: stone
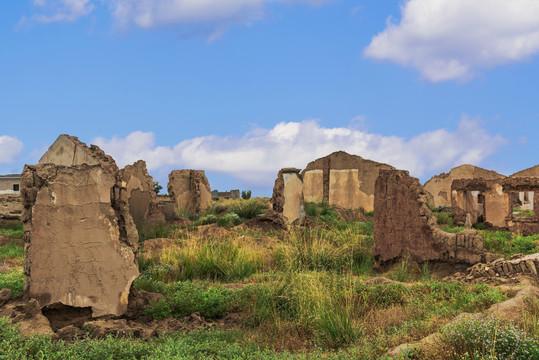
pixel 5 295
pixel 143 203
pixel 81 241
pixel 439 186
pixel 190 190
pixel 287 199
pixel 342 180
pixel 405 226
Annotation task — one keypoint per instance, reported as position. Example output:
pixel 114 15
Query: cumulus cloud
pixel 10 148
pixel 256 157
pixel 216 15
pixel 453 39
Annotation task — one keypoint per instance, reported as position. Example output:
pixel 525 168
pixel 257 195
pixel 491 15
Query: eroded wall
pixel 342 180
pixel 10 206
pixel 405 226
pixel 287 199
pixel 81 242
pixel 190 190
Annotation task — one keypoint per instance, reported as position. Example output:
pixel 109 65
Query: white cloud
pixel 214 15
pixel 453 39
pixel 61 10
pixel 256 157
pixel 10 148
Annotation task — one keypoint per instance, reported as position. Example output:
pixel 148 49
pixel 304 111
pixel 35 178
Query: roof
pixel 10 176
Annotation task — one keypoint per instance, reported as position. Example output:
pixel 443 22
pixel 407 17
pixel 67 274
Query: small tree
pixel 157 187
pixel 246 195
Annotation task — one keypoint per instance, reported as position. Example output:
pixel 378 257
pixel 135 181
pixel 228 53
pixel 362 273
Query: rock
pixel 5 295
pixel 70 333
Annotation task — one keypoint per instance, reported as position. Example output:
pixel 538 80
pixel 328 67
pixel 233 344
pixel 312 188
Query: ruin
pixel 530 172
pixel 68 150
pixel 143 203
pixel 439 186
pixel 81 241
pixel 287 199
pixel 405 226
pixel 508 203
pixel 190 190
pixel 232 194
pixel 10 206
pixel 342 180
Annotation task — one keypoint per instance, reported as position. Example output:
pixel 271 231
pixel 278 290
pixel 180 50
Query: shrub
pixel 489 338
pixel 246 195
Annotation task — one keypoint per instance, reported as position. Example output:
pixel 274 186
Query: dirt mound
pixel 270 221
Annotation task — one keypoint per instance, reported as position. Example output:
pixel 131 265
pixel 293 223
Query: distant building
pixel 10 184
pixel 232 194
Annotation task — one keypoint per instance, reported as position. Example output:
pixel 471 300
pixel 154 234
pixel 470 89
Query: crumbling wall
pixel 143 204
pixel 232 194
pixel 439 186
pixel 526 225
pixel 81 241
pixel 287 198
pixel 483 201
pixel 405 226
pixel 190 190
pixel 68 150
pixel 10 206
pixel 342 180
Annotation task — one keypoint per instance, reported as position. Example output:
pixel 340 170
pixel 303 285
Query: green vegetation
pixel 13 280
pixel 524 213
pixel 487 338
pixel 146 232
pixel 508 244
pixel 156 187
pixel 246 194
pixel 12 230
pixel 12 251
pixel 232 213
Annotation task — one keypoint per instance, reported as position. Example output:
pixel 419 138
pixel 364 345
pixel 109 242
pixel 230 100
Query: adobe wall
pixel 287 199
pixel 530 172
pixel 143 204
pixel 464 200
pixel 523 224
pixel 81 241
pixel 342 180
pixel 68 150
pixel 10 206
pixel 439 186
pixel 405 226
pixel 190 190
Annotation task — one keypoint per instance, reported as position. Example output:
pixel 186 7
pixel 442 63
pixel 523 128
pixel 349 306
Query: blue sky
pixel 242 88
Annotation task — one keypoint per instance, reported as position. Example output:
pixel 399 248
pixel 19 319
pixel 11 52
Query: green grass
pixel 185 298
pixel 12 230
pixel 13 280
pixel 12 251
pixel 146 232
pixel 232 213
pixel 508 244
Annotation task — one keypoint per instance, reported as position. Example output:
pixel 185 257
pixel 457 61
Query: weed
pixel 13 280
pixel 12 251
pixel 12 230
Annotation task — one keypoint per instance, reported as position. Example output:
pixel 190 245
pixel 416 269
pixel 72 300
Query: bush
pixel 246 195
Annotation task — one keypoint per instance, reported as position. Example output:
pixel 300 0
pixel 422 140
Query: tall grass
pixel 504 242
pixel 226 260
pixel 12 230
pixel 232 213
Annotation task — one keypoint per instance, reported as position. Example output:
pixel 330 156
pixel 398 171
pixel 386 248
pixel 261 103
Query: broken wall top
pixel 68 150
pixel 341 160
pixel 530 172
pixel 190 190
